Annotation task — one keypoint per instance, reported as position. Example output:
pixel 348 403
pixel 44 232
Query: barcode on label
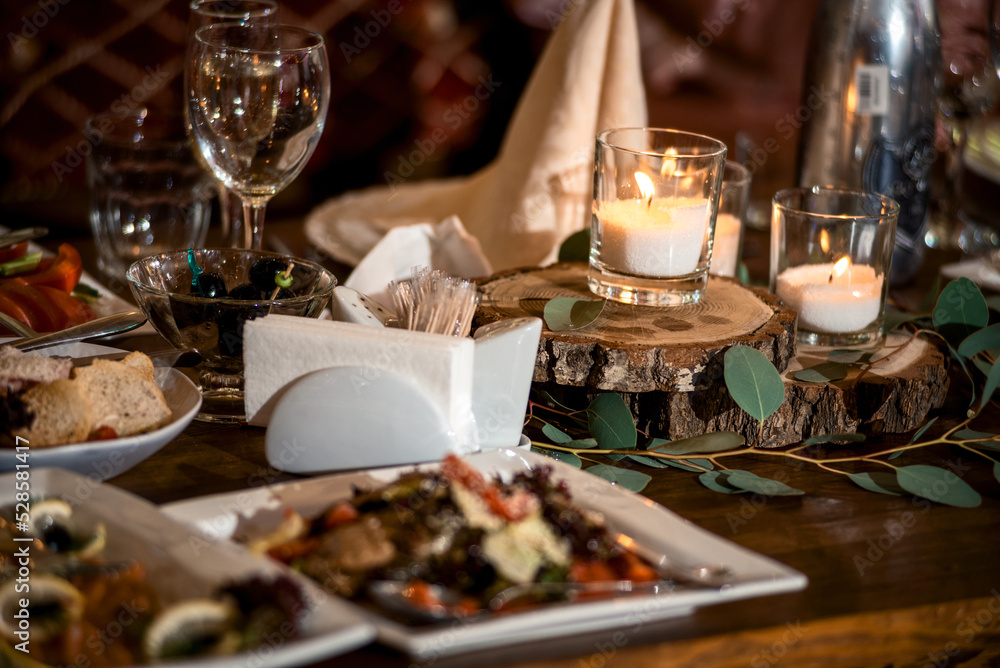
pixel 871 83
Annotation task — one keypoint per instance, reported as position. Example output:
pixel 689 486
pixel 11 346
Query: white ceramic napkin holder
pixel 344 395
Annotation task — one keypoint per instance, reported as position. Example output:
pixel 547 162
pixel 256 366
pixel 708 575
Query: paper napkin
pixel 538 190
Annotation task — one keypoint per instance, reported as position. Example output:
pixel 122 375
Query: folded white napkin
pixel 539 188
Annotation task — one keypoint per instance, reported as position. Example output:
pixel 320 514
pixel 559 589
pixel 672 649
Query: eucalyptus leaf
pixel 960 310
pixel 981 364
pixel 582 443
pixel 752 482
pixel 610 422
pixel 563 313
pixel 717 482
pixel 565 457
pixel 576 247
pixel 677 464
pixel 979 341
pixel 897 454
pixel 992 380
pixel 895 318
pixel 883 483
pixel 635 481
pixel 548 397
pixel 993 301
pixel 703 463
pixel 555 434
pixel 981 438
pixel 654 462
pixel 834 438
pixel 753 382
pixel 922 430
pixel 937 484
pixel 716 441
pixel 825 372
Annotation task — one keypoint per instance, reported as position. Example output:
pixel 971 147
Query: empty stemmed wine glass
pixel 257 13
pixel 257 102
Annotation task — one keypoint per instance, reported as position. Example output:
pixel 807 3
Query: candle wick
pixel 649 202
pixel 831 278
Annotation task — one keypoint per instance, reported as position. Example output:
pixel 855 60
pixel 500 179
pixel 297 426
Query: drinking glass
pixel 656 197
pixel 259 13
pixel 257 102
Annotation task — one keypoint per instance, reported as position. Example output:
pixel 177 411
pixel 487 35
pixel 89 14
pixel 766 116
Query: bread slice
pixel 20 370
pixel 60 414
pixel 122 397
pixel 141 362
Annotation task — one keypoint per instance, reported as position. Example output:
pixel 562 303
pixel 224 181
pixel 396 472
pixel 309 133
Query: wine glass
pixel 257 102
pixel 260 13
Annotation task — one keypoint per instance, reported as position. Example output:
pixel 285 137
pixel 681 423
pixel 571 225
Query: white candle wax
pixel 726 247
pixel 848 304
pixel 663 238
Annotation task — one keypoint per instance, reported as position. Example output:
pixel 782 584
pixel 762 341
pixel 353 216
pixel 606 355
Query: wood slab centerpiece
pixel 667 363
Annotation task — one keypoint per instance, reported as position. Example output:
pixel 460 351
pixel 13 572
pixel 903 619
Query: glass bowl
pixel 179 310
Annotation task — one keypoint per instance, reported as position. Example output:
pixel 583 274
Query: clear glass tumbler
pixel 831 251
pixel 656 196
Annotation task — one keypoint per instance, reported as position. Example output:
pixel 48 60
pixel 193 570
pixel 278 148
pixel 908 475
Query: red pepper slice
pixel 63 273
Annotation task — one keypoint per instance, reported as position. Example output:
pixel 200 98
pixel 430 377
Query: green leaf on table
pixel 834 438
pixel 555 434
pixel 922 430
pixel 717 481
pixel 558 455
pixel 937 484
pixel 716 441
pixel 703 463
pixel 981 438
pixel 993 302
pixel 610 422
pixel 895 318
pixel 881 482
pixel 576 247
pixel 960 310
pixel 992 380
pixel 548 397
pixel 981 364
pixel 980 341
pixel 684 465
pixel 635 481
pixel 563 313
pixel 654 462
pixel 824 372
pixel 848 356
pixel 752 482
pixel 582 443
pixel 753 382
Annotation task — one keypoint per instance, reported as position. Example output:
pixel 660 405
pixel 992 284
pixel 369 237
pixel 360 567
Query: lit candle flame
pixel 669 166
pixel 645 187
pixel 824 241
pixel 839 268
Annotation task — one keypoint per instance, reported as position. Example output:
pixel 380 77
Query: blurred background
pixel 728 68
pixel 732 69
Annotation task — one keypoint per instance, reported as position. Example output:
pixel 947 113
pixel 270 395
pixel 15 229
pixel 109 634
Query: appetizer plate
pixel 654 530
pixel 181 564
pixel 101 460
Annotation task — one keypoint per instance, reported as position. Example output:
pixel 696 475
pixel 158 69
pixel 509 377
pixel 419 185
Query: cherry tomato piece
pixel 13 252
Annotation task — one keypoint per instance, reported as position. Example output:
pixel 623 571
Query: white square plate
pixel 654 529
pixel 181 563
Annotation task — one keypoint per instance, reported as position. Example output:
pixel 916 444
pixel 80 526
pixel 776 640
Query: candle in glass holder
pixel 832 298
pixel 657 236
pixel 726 248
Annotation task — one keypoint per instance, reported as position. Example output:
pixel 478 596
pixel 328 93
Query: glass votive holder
pixel 728 244
pixel 831 251
pixel 656 195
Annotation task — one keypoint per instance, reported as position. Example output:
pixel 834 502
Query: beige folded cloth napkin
pixel 538 190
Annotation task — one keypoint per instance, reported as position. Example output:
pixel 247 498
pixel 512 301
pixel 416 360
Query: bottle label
pixel 872 85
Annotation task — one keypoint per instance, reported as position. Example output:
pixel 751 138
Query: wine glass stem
pixel 253 224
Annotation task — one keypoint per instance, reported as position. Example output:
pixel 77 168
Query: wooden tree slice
pixel 667 363
pixel 641 348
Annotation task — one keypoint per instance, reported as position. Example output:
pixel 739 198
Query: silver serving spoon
pixel 398 596
pixel 106 326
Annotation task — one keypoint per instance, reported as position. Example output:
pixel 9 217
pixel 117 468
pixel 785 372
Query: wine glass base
pixel 222 406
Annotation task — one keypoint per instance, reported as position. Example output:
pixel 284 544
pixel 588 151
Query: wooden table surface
pixel 892 580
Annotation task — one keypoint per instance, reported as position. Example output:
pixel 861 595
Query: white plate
pixel 179 564
pixel 655 529
pixel 101 460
